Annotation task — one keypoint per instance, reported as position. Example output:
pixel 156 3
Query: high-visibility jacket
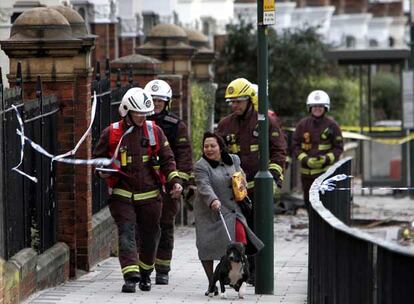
pixel 177 134
pixel 241 135
pixel 137 159
pixel 315 137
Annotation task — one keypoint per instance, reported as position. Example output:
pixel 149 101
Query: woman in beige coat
pixel 213 174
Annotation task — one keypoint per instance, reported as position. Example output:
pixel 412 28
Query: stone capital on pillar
pixel 169 43
pixel 5 25
pixel 143 69
pixel 203 59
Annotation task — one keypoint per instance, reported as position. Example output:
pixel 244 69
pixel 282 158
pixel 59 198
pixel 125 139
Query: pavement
pixel 187 279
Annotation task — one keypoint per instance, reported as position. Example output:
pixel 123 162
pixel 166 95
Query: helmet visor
pixel 163 98
pixel 237 99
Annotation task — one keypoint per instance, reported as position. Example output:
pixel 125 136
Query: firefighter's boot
pixel 133 276
pixel 129 286
pixel 161 278
pixel 145 282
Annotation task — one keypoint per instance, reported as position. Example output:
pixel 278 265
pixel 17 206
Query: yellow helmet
pixel 240 88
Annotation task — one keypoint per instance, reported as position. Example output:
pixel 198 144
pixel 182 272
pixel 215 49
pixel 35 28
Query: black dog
pixel 232 270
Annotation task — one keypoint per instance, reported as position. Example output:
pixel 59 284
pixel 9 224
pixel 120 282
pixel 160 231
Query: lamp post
pixel 263 211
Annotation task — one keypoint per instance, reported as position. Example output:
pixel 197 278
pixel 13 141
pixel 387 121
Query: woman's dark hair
pixel 219 139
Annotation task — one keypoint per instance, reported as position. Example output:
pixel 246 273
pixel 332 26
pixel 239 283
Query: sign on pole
pixel 269 13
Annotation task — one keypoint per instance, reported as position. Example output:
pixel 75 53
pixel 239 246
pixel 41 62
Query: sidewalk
pixel 187 279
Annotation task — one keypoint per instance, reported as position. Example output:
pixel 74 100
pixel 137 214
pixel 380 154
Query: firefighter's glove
pixel 176 190
pixel 316 162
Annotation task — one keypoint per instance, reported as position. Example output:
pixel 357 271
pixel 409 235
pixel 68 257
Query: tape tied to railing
pixel 97 162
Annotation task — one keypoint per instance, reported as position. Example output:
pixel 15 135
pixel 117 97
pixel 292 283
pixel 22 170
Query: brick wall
pixel 126 46
pixel 386 9
pixel 106 45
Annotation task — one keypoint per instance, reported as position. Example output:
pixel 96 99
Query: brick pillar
pixel 201 64
pixel 356 6
pixel 142 68
pixel 386 9
pixel 65 72
pixel 169 43
pixel 105 25
pixel 106 41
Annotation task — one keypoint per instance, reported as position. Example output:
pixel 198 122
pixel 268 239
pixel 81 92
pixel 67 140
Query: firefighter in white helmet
pixel 177 134
pixel 135 202
pixel 317 141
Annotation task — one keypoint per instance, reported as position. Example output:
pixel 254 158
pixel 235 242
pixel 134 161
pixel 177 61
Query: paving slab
pixel 187 279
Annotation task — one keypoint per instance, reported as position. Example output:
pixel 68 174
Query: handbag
pixel 239 185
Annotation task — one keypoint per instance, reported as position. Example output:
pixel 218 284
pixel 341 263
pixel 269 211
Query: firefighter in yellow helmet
pixel 240 132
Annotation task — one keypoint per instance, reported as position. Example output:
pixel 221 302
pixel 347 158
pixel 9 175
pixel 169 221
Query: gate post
pixel 59 52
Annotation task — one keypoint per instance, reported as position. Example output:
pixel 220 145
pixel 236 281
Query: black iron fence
pixel 106 112
pixel 346 265
pixel 28 210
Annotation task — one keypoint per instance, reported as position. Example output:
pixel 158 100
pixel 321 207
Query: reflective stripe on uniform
pixel 182 139
pixel 163 262
pixel 331 157
pixel 183 175
pixel 136 196
pixel 306 171
pixel 273 166
pixel 172 175
pixel 250 185
pixel 145 158
pixel 302 156
pixel 275 134
pixel 130 268
pixel 144 266
pixel 325 147
pixel 254 148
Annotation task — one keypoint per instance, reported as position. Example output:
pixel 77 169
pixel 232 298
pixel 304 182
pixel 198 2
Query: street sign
pixel 269 13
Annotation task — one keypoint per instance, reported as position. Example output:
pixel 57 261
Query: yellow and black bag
pixel 239 185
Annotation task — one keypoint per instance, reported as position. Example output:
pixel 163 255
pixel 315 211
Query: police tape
pixel 73 151
pixel 370 128
pixel 381 140
pixel 386 141
pixel 329 185
pixel 97 162
pixel 16 168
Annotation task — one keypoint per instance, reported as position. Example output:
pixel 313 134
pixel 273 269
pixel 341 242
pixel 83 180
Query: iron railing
pixel 28 214
pixel 106 112
pixel 346 265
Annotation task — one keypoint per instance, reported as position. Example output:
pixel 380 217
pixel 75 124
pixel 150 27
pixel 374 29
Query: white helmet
pixel 159 89
pixel 318 98
pixel 136 100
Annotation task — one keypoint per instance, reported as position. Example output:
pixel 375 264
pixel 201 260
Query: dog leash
pixel 225 225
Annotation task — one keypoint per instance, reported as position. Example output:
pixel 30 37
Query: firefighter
pixel 241 134
pixel 317 141
pixel 135 201
pixel 176 132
